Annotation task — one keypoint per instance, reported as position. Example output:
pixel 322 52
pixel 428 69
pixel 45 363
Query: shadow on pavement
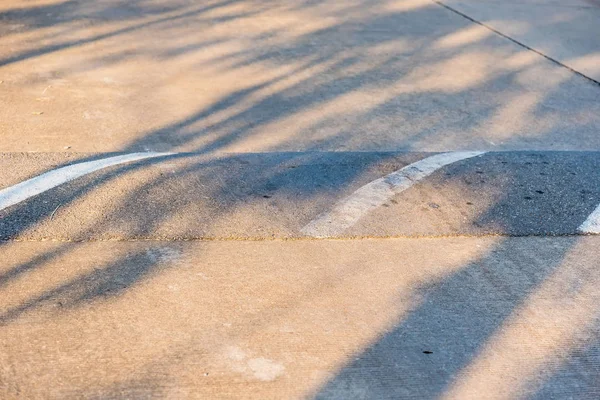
pixel 506 320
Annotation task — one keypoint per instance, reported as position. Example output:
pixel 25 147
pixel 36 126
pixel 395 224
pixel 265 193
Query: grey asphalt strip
pixel 274 195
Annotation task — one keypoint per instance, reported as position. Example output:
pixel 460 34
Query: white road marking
pixel 349 210
pixel 41 183
pixel 592 223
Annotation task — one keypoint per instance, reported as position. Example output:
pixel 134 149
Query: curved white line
pixel 349 210
pixel 41 183
pixel 592 223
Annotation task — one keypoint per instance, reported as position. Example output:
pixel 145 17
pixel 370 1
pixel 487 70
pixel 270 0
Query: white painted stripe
pixel 41 183
pixel 592 223
pixel 349 210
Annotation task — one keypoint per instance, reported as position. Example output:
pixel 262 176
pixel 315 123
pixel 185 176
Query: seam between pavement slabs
pixel 555 61
pixel 293 239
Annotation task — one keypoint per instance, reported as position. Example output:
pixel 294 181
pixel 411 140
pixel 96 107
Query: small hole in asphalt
pixel 266 196
pixel 527 197
pixel 427 352
pixel 539 191
pixel 469 203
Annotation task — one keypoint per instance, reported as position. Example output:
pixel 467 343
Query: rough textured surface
pixel 274 195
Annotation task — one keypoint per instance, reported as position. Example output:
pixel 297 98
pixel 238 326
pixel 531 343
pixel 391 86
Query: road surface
pixel 368 199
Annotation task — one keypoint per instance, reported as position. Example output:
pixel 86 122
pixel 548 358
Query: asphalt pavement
pixel 185 196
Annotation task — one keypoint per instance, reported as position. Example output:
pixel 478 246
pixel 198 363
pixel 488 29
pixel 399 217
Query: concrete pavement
pixel 560 30
pixel 258 76
pixel 456 275
pixel 462 318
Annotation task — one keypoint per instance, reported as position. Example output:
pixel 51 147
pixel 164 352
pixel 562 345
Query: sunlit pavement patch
pixel 275 195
